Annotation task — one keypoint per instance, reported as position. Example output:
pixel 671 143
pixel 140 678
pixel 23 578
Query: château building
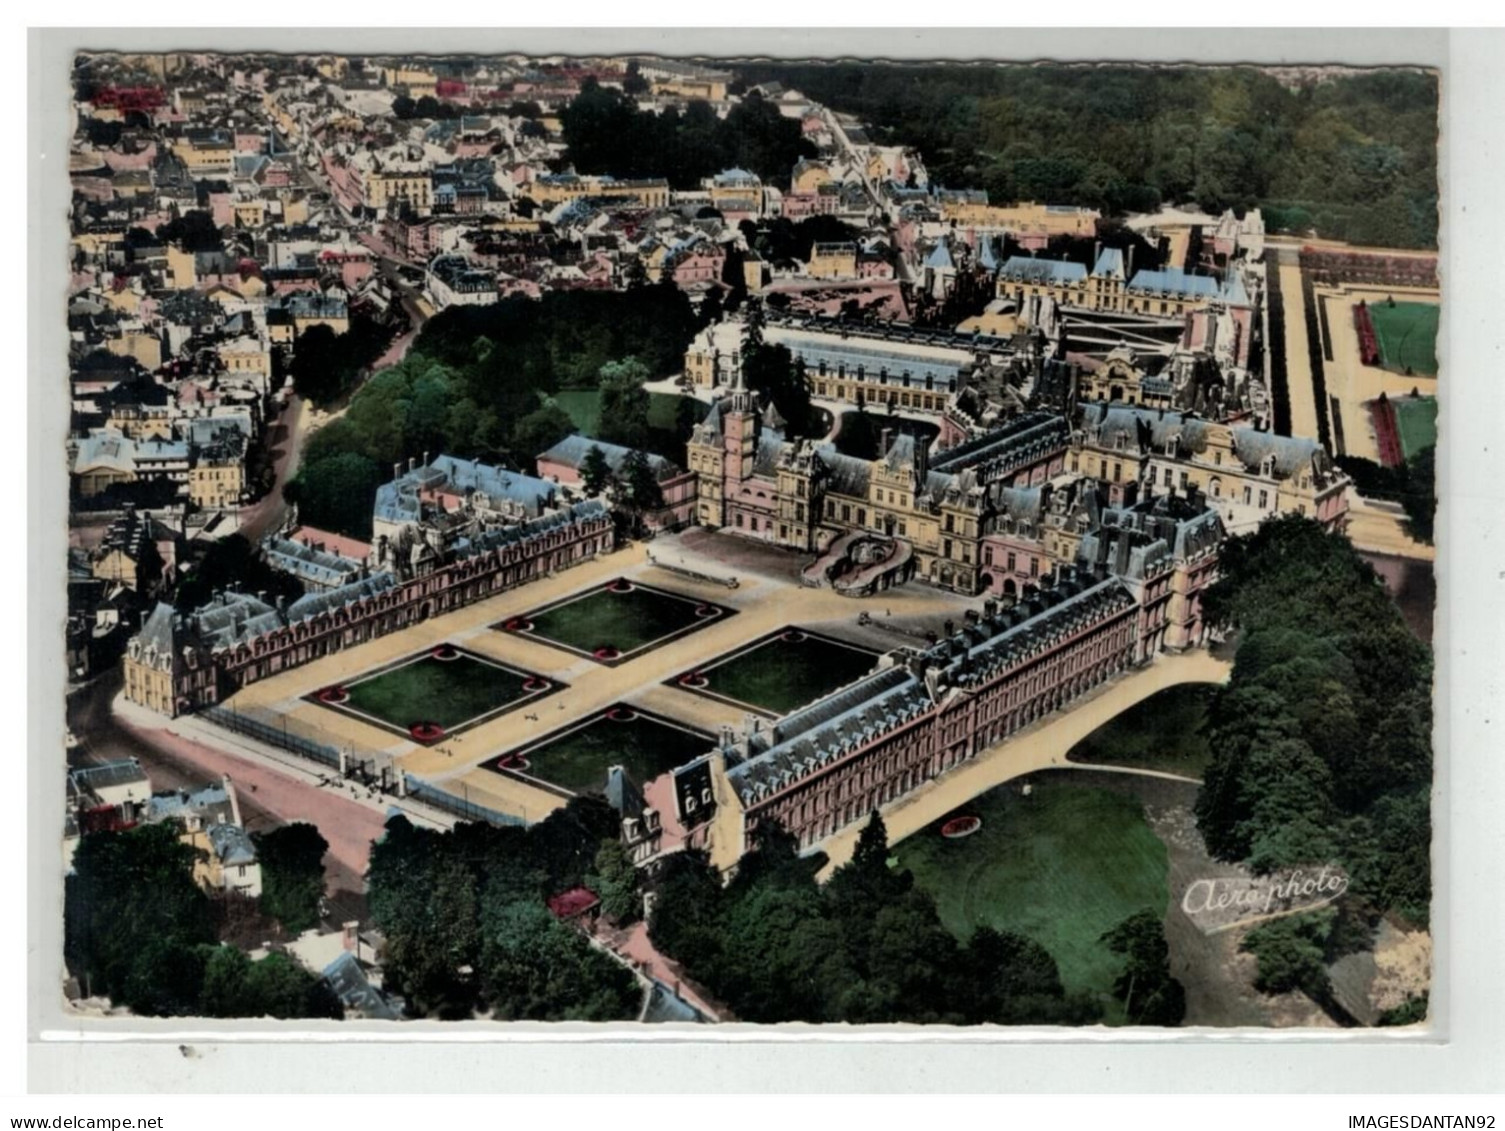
pixel 1135 590
pixel 1245 474
pixel 449 534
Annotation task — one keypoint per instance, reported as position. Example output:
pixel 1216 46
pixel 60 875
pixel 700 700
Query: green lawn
pixel 780 675
pixel 1061 866
pixel 1407 334
pixel 643 746
pixel 584 408
pixel 1416 420
pixel 447 692
pixel 626 621
pixel 1161 733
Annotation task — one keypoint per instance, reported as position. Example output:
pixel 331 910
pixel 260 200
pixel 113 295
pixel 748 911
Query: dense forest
pixel 1321 742
pixel 468 930
pixel 605 132
pixel 475 385
pixel 1353 157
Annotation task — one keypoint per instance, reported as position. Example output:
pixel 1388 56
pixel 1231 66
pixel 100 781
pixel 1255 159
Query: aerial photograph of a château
pixel 722 541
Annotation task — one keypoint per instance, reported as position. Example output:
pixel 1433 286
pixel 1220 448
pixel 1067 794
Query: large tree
pixel 292 874
pixel 1145 986
pixel 624 402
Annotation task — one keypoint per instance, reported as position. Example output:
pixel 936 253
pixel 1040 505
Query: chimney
pixel 1129 265
pixel 397 470
pixel 885 438
pixel 412 464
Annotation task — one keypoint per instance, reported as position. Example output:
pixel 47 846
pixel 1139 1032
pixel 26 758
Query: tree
pixel 634 82
pixel 274 986
pixel 615 881
pixel 292 870
pixel 233 562
pixel 595 471
pixel 1419 496
pixel 1292 953
pixel 195 230
pixel 634 273
pixel 753 322
pixel 133 918
pixel 624 402
pixel 641 492
pixel 540 430
pixel 336 494
pixel 535 968
pixel 1145 986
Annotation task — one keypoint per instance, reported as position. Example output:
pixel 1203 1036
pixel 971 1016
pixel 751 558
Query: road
pixel 268 797
pixel 285 440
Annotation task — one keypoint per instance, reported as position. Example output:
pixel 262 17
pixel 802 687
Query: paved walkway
pixel 1042 746
pixel 1380 528
pixel 1304 408
pixel 346 816
pixel 634 945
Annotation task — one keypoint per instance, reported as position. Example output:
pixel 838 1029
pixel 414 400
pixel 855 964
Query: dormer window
pixel 1120 442
pixel 1267 467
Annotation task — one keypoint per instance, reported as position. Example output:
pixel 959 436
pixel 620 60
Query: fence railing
pixel 458 806
pixel 273 734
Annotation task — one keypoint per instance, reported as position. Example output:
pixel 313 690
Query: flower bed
pixel 958 827
pixel 1369 343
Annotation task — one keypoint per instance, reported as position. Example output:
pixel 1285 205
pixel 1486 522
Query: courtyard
pixel 561 731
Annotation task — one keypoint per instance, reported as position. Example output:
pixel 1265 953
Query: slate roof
pixel 232 844
pixel 1026 435
pixel 1290 453
pixel 305 562
pixel 844 356
pixel 1173 281
pixel 397 501
pixel 572 450
pixel 939 258
pixel 1023 269
pixel 105 448
pixel 844 721
pixel 1110 263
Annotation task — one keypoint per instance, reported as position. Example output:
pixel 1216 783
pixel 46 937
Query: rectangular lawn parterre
pixel 577 758
pixel 1407 335
pixel 617 621
pixel 781 672
pixel 451 693
pixel 1060 866
pixel 1416 421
